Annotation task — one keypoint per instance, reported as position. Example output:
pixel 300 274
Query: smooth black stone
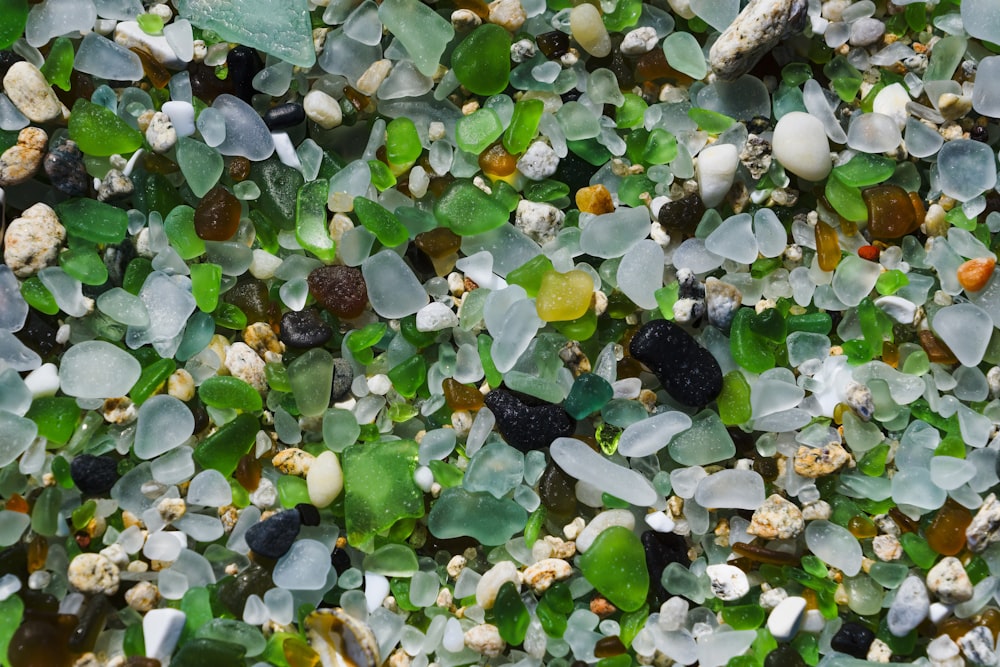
pixel 93 475
pixel 853 639
pixel 304 329
pixel 528 427
pixel 65 169
pixel 308 513
pixel 244 63
pixel 39 333
pixel 662 549
pixel 284 116
pixel 273 538
pixel 687 371
pixel 553 44
pixel 343 377
pixel 784 656
pixel 340 560
pixel 682 215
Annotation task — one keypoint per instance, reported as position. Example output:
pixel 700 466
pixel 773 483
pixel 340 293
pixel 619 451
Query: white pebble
pixel 32 241
pixel 801 146
pixel 325 479
pixel 491 581
pixel 716 169
pixel 322 109
pixel 728 581
pixel 436 316
pixel 786 618
pixel 31 93
pixel 538 162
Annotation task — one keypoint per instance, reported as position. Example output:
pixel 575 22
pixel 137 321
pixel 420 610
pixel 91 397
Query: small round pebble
pixel 273 537
pixel 853 639
pixel 538 162
pixel 20 162
pixel 541 575
pixel 485 639
pixel 304 329
pixel 778 518
pixel 800 145
pixel 728 582
pixel 325 479
pixel 27 88
pixel 92 573
pixel 93 475
pixel 949 581
pixel 32 241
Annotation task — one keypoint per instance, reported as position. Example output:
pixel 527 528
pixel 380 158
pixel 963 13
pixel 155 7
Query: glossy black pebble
pixel 853 639
pixel 284 116
pixel 273 538
pixel 528 427
pixel 687 371
pixel 308 513
pixel 93 475
pixel 304 329
pixel 662 549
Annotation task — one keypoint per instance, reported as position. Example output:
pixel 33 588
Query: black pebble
pixel 93 475
pixel 784 656
pixel 65 169
pixel 308 513
pixel 687 371
pixel 343 377
pixel 528 427
pixel 7 60
pixel 682 215
pixel 340 560
pixel 853 639
pixel 243 63
pixel 284 116
pixel 661 550
pixel 304 329
pixel 273 538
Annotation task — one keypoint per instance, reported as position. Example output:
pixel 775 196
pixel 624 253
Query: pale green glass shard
pixel 279 27
pixel 420 29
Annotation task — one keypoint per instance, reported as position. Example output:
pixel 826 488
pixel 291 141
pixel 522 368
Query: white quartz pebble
pixel 716 169
pixel 801 146
pixel 785 619
pixel 325 479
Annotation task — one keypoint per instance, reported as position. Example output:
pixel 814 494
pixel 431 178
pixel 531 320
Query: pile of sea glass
pixel 536 332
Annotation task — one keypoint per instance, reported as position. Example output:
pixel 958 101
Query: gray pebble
pixel 909 608
pixel 343 376
pixel 985 527
pixel 65 169
pixel 978 647
pixel 538 162
pixel 539 221
pixel 867 31
pixel 722 300
pixel 115 185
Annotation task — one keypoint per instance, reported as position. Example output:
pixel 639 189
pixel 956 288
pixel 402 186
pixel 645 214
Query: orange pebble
pixel 868 252
pixel 975 273
pixel 594 199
